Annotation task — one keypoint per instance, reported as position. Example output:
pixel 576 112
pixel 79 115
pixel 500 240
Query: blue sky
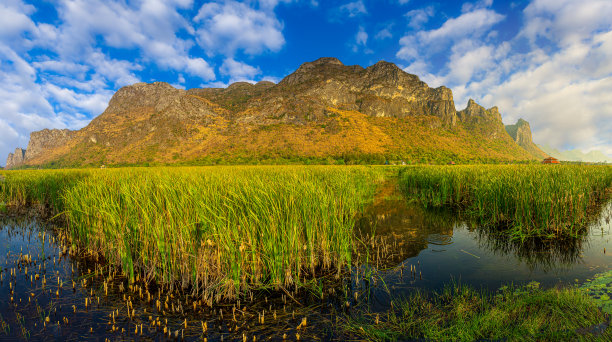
pixel 547 61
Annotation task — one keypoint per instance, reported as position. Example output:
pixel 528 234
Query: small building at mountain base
pixel 551 160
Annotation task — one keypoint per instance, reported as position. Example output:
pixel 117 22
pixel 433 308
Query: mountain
pixel 325 111
pixel 577 155
pixel 521 134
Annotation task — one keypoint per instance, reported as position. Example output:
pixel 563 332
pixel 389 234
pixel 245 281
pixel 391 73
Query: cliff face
pixel 324 109
pixel 45 140
pixel 487 121
pixel 15 159
pixel 381 90
pixel 41 142
pixel 521 134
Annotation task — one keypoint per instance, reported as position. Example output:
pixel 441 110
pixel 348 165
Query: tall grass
pixel 530 200
pixel 42 187
pixel 219 231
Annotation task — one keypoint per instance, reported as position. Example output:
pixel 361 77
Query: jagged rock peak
pixel 474 112
pixel 15 159
pixel 520 132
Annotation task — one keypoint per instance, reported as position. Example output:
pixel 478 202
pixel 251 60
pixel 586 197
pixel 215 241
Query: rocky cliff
pixel 521 134
pixel 41 142
pixel 15 159
pixel 325 109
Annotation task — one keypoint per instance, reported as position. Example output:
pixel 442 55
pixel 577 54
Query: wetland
pixel 308 253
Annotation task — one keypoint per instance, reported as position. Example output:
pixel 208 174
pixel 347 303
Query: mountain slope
pixel 324 110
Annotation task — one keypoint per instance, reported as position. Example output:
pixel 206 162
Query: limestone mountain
pixel 323 112
pixel 521 133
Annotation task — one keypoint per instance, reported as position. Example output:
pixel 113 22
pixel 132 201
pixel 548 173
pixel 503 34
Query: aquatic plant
pixel 528 200
pixel 218 231
pixel 461 313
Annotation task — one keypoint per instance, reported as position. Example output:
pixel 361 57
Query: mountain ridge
pixel 323 110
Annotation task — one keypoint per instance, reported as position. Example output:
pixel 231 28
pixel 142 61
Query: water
pixel 443 250
pixel 43 293
pixel 48 299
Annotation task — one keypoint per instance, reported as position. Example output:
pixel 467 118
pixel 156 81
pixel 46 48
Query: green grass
pixel 528 201
pixel 218 231
pixel 460 313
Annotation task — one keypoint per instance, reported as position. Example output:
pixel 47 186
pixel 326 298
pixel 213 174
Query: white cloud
pixel 151 28
pixel 418 17
pixel 559 82
pixel 14 20
pixel 231 26
pixel 362 37
pixel 565 22
pixel 238 71
pixel 470 25
pixel 383 34
pixel 353 9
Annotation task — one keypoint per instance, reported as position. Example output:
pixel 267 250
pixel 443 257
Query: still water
pixel 443 249
pixel 43 290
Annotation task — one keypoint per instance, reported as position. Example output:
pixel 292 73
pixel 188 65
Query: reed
pixel 528 200
pixel 218 231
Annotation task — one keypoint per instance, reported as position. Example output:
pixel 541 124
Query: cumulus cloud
pixel 233 26
pixel 238 71
pixel 560 83
pixel 470 25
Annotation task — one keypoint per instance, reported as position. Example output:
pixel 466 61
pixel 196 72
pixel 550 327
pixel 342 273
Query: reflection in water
pixel 441 247
pixel 533 252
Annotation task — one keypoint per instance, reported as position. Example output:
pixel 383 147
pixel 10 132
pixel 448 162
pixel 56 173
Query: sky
pixel 546 61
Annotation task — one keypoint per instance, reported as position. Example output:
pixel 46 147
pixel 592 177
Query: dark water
pixel 38 301
pixel 41 303
pixel 442 250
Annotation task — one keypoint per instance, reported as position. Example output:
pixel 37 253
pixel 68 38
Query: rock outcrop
pixel 475 113
pixel 323 109
pixel 45 140
pixel 487 121
pixel 521 134
pixel 381 90
pixel 15 159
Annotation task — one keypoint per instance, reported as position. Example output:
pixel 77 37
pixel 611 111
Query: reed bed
pixel 219 232
pixel 527 200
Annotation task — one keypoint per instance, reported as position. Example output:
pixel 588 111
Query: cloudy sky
pixel 547 61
